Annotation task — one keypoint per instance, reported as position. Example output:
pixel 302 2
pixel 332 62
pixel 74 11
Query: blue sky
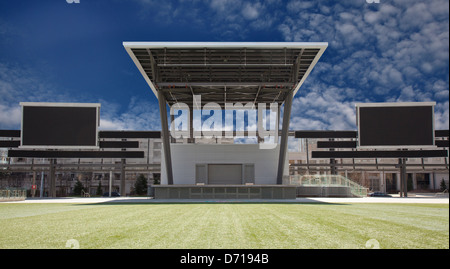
pixel 53 51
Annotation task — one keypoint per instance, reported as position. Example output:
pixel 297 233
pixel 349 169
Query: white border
pixel 400 104
pixel 47 104
pixel 395 104
pixel 269 45
pixel 260 45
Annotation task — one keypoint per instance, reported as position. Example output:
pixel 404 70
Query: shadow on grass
pixel 146 201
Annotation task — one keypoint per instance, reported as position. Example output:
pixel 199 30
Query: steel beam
pixel 165 136
pixel 228 84
pixel 284 136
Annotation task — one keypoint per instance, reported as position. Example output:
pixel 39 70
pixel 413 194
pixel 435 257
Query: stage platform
pixel 223 191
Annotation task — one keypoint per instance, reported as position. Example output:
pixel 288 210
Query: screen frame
pixel 65 105
pixel 395 105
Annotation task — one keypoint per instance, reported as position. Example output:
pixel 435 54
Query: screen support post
pixel 52 177
pixel 403 177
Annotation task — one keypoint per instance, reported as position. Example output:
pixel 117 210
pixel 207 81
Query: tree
pixel 78 188
pixel 443 185
pixel 99 188
pixel 409 184
pixel 140 186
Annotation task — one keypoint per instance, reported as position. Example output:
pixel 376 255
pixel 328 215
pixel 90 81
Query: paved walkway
pixel 426 199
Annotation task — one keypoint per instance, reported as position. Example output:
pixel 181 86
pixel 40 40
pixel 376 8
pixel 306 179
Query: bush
pixel 140 186
pixel 443 185
pixel 99 188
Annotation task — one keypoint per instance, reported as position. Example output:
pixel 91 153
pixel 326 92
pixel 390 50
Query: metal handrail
pixel 13 194
pixel 328 180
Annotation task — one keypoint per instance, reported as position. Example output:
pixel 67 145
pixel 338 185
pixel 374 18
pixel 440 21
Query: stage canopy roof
pixel 225 72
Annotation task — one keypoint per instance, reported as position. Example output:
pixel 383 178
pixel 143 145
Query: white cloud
pixel 21 84
pixel 10 116
pixel 441 94
pixel 306 123
pixel 223 6
pixel 322 110
pixel 139 115
pixel 441 116
pixel 296 6
pixel 407 95
pixel 251 11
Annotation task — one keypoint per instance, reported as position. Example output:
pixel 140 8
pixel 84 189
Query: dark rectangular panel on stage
pixel 130 134
pixel 325 134
pixel 9 133
pixel 75 154
pixel 380 154
pixel 9 144
pixel 59 125
pixel 441 133
pixel 441 143
pixel 398 125
pixel 336 144
pixel 119 144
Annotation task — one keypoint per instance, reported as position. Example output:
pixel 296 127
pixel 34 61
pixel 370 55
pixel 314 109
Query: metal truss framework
pixel 226 72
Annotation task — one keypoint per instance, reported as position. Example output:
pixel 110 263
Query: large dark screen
pixel 59 126
pixel 396 126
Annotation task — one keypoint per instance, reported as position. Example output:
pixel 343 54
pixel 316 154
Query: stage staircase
pixel 327 182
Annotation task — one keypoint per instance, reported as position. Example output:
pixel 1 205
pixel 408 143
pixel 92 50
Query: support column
pixel 165 137
pixel 122 178
pixel 333 170
pixel 284 136
pixel 52 177
pixel 33 183
pixel 383 182
pixel 191 124
pixel 41 189
pixel 403 178
pixel 307 156
pixel 122 174
pixel 110 182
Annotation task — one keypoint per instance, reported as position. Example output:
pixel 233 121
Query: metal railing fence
pixel 10 194
pixel 328 180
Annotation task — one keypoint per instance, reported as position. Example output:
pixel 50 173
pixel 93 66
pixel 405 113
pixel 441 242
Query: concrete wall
pixel 224 192
pixel 324 191
pixel 186 156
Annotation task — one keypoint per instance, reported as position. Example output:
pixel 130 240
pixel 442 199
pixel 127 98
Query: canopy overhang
pixel 225 72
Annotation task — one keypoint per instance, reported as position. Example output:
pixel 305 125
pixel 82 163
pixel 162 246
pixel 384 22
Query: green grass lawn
pixel 224 225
